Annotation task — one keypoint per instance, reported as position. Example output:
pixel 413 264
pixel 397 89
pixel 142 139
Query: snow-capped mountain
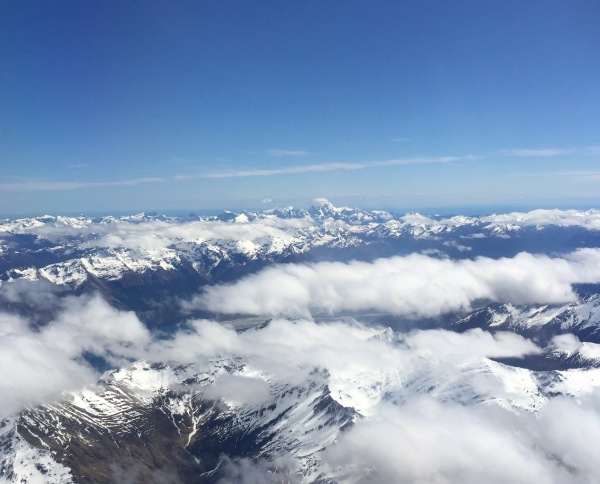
pixel 156 420
pixel 542 322
pixel 195 422
pixel 171 257
pixel 254 347
pixel 108 248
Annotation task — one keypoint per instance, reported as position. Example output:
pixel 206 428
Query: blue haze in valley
pixel 199 106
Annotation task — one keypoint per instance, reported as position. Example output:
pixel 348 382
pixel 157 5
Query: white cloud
pixel 90 324
pixel 414 285
pixel 254 471
pixel 42 296
pixel 456 245
pixel 566 343
pixel 589 219
pixel 429 442
pixel 417 219
pixel 279 152
pixel 45 186
pixel 325 167
pixel 425 439
pixel 292 170
pixel 549 152
pixel 238 389
pixel 536 152
pixel 38 364
pixel 475 343
pixel 158 234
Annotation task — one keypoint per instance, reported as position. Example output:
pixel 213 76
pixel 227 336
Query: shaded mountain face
pixel 154 421
pixel 323 345
pixel 540 322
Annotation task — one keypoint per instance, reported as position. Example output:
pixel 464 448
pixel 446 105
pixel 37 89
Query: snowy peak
pixel 177 255
pixel 581 318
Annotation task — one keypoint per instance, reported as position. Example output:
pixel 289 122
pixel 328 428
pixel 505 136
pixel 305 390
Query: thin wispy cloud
pixel 325 167
pixel 536 152
pixel 288 170
pixel 577 175
pixel 550 152
pixel 29 185
pixel 47 186
pixel 279 152
pixel 42 185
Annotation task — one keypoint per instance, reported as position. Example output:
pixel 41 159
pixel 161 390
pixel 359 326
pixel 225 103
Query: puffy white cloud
pixel 238 389
pixel 569 433
pixel 40 295
pixel 414 285
pixel 425 436
pixel 90 324
pixel 566 343
pixel 159 234
pixel 426 441
pixel 39 363
pixel 474 343
pixel 32 371
pixel 423 439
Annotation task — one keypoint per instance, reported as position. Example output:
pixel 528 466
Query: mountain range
pixel 169 377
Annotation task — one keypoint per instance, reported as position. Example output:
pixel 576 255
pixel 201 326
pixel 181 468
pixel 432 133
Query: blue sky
pixel 127 106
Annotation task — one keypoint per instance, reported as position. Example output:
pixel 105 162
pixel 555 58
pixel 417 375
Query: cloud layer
pixel 428 442
pixel 414 286
pixel 47 186
pixel 39 363
pixel 325 167
pixel 425 436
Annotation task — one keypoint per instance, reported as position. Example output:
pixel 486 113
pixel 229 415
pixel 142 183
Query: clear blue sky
pixel 113 105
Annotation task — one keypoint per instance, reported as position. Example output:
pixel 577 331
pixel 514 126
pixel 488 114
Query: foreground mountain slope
pixel 154 419
pixel 198 422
